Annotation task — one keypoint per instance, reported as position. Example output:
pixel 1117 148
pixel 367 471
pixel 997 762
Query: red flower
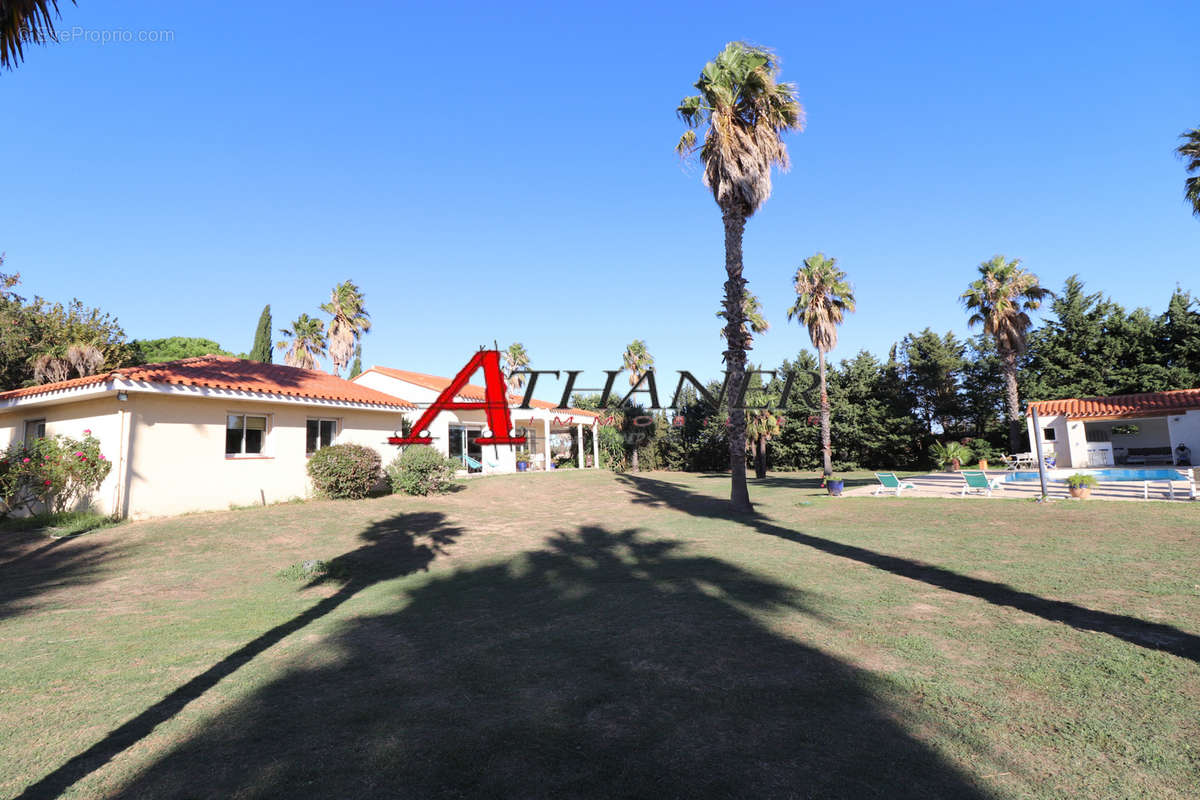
pixel 47 483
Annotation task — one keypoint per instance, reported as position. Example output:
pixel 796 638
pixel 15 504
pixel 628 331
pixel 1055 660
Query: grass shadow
pixel 603 665
pixel 391 548
pixel 1151 635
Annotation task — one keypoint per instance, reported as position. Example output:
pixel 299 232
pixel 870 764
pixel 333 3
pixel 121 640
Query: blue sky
pixel 505 172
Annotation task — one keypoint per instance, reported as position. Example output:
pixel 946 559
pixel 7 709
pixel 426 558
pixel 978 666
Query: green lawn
pixel 580 634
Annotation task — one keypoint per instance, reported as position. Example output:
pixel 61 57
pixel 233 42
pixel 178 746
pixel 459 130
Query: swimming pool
pixel 1106 475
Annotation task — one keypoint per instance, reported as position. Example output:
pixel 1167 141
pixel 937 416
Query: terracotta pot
pixel 983 463
pixel 955 464
pixel 1082 492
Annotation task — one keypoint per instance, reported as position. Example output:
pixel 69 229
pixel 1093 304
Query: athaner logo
pixel 496 406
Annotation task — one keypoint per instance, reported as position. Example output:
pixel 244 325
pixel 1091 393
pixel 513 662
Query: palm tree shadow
pixel 391 549
pixel 1151 635
pixel 603 665
pixel 32 564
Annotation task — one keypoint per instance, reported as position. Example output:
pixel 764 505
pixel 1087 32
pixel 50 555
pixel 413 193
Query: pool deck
pixel 949 484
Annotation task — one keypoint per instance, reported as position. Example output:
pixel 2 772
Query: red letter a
pixel 495 404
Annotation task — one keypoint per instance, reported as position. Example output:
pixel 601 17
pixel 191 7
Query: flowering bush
pixel 344 470
pixel 56 471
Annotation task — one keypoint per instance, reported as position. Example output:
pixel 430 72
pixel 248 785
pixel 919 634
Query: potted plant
pixel 522 462
pixel 949 456
pixel 834 485
pixel 1080 485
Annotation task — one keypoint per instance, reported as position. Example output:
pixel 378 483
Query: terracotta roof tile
pixel 468 392
pixel 1123 405
pixel 224 372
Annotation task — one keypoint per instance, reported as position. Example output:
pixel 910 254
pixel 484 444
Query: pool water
pixel 1111 475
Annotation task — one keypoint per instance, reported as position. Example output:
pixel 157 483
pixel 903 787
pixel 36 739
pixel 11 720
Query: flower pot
pixel 1082 492
pixel 983 463
pixel 835 487
pixel 522 466
pixel 955 465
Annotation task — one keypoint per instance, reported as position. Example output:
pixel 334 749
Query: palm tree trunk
pixel 634 459
pixel 760 458
pixel 735 357
pixel 1012 402
pixel 826 448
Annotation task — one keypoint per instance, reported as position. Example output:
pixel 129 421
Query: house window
pixel 245 435
pixel 320 433
pixel 1096 435
pixel 35 429
pixel 1047 434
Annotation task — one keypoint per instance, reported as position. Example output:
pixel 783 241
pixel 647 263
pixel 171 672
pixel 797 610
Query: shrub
pixel 944 454
pixel 421 470
pixel 344 470
pixel 1080 480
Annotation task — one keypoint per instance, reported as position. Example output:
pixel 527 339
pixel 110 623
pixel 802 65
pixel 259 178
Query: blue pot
pixel 835 487
pixel 522 466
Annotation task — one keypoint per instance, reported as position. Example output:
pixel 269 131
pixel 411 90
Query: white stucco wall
pixel 1185 429
pixel 1064 439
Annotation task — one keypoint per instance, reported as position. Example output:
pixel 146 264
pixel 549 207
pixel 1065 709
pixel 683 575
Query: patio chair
pixel 976 480
pixel 889 482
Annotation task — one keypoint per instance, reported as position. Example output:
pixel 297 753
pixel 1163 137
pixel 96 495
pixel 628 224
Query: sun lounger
pixel 976 480
pixel 889 482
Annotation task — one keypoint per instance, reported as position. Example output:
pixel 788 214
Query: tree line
pixel 45 342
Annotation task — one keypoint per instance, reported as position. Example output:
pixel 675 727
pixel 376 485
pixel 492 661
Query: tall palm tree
pixel 638 361
pixel 24 21
pixel 1189 151
pixel 515 358
pixel 823 298
pixel 752 316
pixel 347 324
pixel 746 111
pixel 1000 298
pixel 307 344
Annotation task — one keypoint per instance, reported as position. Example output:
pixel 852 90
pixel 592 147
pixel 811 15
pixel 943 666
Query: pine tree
pixel 261 351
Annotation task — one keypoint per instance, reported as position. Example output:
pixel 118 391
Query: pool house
pixel 1147 429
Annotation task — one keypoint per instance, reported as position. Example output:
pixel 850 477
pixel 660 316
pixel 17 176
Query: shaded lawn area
pixel 580 634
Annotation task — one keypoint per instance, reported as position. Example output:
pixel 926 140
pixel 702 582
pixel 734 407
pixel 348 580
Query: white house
pixel 552 433
pixel 204 433
pixel 1135 429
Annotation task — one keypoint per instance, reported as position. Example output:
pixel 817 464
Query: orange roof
pixel 224 372
pixel 469 391
pixel 1146 404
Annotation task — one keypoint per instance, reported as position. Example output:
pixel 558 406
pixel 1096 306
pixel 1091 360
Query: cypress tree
pixel 356 367
pixel 262 338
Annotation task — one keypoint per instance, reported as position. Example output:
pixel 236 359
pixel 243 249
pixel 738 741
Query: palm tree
pixel 1190 152
pixel 823 297
pixel 60 361
pixel 752 315
pixel 762 425
pixel 515 358
pixel 638 361
pixel 307 344
pixel 747 111
pixel 348 322
pixel 1000 299
pixel 23 21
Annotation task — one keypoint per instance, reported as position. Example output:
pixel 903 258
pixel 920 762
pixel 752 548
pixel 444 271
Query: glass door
pixel 464 447
pixel 474 450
